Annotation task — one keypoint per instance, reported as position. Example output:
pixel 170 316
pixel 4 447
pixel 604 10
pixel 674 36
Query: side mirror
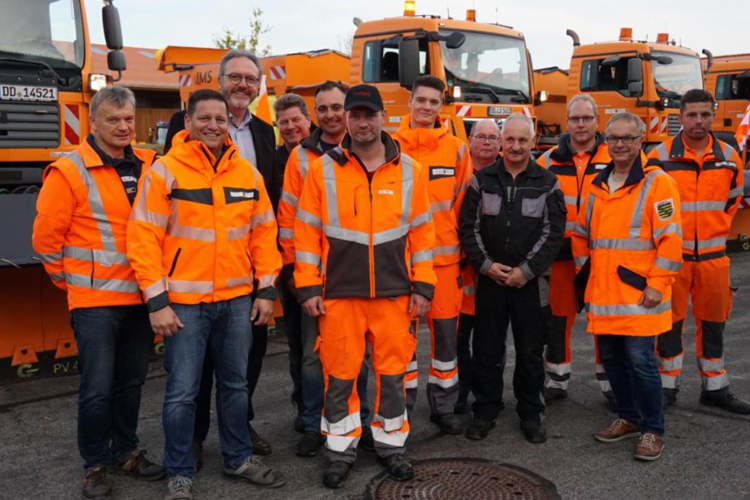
pixel 116 62
pixel 455 40
pixel 112 29
pixel 611 60
pixel 408 62
pixel 541 97
pixel 635 77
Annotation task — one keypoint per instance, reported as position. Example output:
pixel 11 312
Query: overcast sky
pixel 297 25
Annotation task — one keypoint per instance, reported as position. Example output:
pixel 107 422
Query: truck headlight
pixel 97 81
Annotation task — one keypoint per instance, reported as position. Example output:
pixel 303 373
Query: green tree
pixel 228 39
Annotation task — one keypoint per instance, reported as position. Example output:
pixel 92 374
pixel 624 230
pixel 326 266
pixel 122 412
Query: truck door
pixel 733 94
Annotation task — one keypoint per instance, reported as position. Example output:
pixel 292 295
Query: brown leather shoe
pixel 137 465
pixel 260 445
pixel 619 430
pixel 649 447
pixel 96 484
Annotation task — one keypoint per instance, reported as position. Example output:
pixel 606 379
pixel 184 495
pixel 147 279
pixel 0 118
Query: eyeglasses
pixel 486 138
pixel 585 119
pixel 626 139
pixel 236 79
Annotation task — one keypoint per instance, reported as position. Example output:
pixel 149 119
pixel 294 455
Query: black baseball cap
pixel 366 96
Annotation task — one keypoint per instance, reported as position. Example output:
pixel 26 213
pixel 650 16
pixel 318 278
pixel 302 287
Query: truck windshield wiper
pixel 496 91
pixel 60 80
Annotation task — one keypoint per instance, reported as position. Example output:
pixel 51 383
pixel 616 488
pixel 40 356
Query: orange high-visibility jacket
pixel 448 163
pixel 575 171
pixel 634 240
pixel 356 237
pixel 80 229
pixel 710 193
pixel 201 226
pixel 295 172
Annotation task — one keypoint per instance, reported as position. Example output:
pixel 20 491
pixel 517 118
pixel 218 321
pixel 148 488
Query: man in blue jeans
pixel 79 232
pixel 202 232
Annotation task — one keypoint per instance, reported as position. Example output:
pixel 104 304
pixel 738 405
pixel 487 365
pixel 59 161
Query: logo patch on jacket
pixel 664 209
pixel 440 172
pixel 235 195
pixel 385 191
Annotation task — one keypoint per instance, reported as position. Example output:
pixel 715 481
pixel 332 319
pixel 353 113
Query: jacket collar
pixel 343 153
pixel 498 168
pixel 414 137
pixel 197 156
pixel 564 153
pixel 678 147
pixel 93 156
pixel 312 141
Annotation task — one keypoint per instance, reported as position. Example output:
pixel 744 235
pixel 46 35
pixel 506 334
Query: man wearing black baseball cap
pixel 375 255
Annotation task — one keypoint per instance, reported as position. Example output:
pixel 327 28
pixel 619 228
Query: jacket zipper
pixel 371 248
pixel 174 262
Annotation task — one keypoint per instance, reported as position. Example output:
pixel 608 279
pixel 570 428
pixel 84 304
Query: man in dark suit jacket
pixel 240 72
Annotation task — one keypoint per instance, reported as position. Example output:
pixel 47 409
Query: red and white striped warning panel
pixel 653 127
pixel 526 112
pixel 185 81
pixel 664 124
pixel 277 72
pixel 464 111
pixel 71 115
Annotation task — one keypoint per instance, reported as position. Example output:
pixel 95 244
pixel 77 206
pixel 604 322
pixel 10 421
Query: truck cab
pixel 728 80
pixel 644 78
pixel 486 67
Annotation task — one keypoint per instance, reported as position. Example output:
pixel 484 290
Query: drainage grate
pixel 464 478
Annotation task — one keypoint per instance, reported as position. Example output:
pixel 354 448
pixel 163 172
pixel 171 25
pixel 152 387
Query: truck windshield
pixel 50 31
pixel 488 63
pixel 673 80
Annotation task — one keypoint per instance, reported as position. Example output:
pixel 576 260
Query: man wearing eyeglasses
pixel 425 136
pixel 240 72
pixel 579 156
pixel 628 235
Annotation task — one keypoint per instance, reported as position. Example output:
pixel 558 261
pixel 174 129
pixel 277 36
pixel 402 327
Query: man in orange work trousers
pixel 580 155
pixel 363 240
pixel 79 233
pixel 424 136
pixel 710 180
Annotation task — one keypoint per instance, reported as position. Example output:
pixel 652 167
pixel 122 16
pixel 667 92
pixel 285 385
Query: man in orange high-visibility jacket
pixel 709 176
pixel 363 240
pixel 484 147
pixel 201 231
pixel 628 231
pixel 425 137
pixel 79 232
pixel 302 330
pixel 580 155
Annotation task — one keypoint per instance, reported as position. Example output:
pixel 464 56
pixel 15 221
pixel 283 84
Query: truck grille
pixel 29 125
pixel 673 125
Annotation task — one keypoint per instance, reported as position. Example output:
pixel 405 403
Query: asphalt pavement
pixel 706 455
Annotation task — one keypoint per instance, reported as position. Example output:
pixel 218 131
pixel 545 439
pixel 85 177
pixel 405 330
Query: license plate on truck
pixel 498 110
pixel 27 93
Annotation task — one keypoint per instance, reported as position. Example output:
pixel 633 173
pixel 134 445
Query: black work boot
pixel 670 397
pixel 366 441
pixel 479 429
pixel 310 443
pixel 725 400
pixel 96 484
pixel 336 473
pixel 554 394
pixel 611 401
pixel 533 431
pixel 448 423
pixel 398 466
pixel 136 464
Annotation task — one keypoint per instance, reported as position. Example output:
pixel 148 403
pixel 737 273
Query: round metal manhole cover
pixel 465 479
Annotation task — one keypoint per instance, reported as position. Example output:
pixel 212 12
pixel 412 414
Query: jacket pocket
pixel 631 278
pixel 174 262
pixel 491 203
pixel 533 207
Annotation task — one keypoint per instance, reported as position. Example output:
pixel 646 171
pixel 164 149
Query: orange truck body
pixel 728 80
pixel 607 70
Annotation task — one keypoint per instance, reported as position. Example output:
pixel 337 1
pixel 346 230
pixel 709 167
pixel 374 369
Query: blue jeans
pixel 630 363
pixel 313 383
pixel 223 330
pixel 114 344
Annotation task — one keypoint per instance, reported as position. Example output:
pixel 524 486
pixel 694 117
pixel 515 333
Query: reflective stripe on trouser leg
pixel 342 351
pixel 557 358
pixel 442 386
pixel 669 354
pixel 393 348
pixel 709 348
pixel 601 375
